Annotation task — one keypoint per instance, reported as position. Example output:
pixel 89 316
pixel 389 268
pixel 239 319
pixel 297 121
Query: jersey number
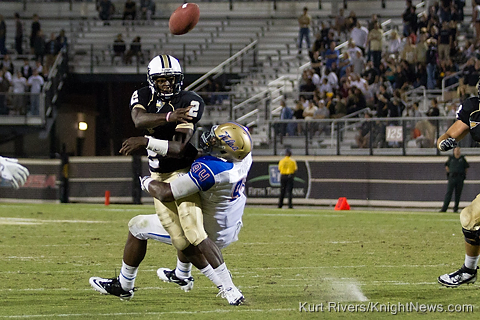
pixel 238 189
pixel 195 106
pixel 134 98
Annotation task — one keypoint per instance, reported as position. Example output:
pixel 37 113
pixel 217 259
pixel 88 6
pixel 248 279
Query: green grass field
pixel 284 262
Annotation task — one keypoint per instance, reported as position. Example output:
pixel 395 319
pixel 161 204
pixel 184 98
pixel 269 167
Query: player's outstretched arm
pixel 455 133
pixel 145 120
pixel 157 189
pixel 13 172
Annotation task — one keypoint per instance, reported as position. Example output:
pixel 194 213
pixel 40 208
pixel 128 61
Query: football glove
pixel 447 144
pixel 144 182
pixel 13 172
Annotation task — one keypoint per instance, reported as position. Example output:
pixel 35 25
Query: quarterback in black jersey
pixel 168 115
pixel 468 120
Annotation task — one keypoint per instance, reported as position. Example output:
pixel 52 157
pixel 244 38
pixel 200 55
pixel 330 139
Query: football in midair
pixel 184 18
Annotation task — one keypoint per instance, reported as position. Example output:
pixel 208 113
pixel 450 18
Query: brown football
pixel 184 18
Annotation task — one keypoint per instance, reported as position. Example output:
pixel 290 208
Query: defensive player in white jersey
pixel 12 173
pixel 219 178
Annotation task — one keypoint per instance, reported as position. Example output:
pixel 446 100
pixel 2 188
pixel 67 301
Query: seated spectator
pixel 119 47
pixel 363 136
pixel 19 84
pixel 394 43
pixel 433 111
pixel 408 51
pixel 105 10
pixel 135 51
pixel 358 63
pixel 26 69
pixel 129 10
pixel 331 55
pixel 321 113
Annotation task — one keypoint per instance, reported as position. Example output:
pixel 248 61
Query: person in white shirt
pixel 19 84
pixel 359 35
pixel 219 177
pixel 35 81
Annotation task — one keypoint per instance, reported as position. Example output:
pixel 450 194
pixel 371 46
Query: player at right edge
pixel 468 120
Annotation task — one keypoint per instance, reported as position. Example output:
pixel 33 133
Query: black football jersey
pixel 150 101
pixel 469 113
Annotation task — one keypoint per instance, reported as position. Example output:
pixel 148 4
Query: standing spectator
pixel 340 22
pixel 62 40
pixel 287 167
pixel 51 50
pixel 39 67
pixel 359 35
pixel 394 43
pixel 105 10
pixel 129 10
pixel 35 82
pixel 147 9
pixel 476 21
pixel 304 22
pixel 39 46
pixel 7 63
pixel 409 19
pixel 26 69
pixel 375 38
pixel 3 36
pixel 358 63
pixel 4 87
pixel 408 52
pixel 298 115
pixel 286 129
pixel 456 167
pixel 19 84
pixel 431 60
pixel 331 55
pixel 18 34
pixel 444 41
pixel 35 28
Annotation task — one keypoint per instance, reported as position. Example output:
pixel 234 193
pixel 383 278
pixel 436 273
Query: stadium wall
pixel 366 181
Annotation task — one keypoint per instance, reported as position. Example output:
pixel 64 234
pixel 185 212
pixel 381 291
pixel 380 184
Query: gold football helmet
pixel 230 141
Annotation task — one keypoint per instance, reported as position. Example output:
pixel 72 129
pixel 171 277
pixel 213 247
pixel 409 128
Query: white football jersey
pixel 222 188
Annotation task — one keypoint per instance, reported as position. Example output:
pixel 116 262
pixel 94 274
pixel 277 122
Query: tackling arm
pixel 181 187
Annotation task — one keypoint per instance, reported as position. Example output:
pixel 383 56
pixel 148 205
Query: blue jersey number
pixel 238 189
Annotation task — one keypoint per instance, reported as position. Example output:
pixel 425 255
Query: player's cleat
pixel 111 286
pixel 168 275
pixel 459 277
pixel 233 295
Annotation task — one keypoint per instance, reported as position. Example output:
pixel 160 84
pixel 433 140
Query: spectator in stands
pixel 375 38
pixel 358 63
pixel 363 136
pixel 351 21
pixel 39 67
pixel 412 111
pixel 19 84
pixel 35 82
pixel 119 48
pixel 381 101
pixel 7 63
pixel 26 69
pixel 105 10
pixel 422 21
pixel 321 113
pixel 459 5
pixel 18 34
pixel 135 51
pixel 331 55
pixel 304 22
pixel 421 48
pixel 352 48
pixel 431 60
pixel 476 21
pixel 409 18
pixel 129 10
pixel 344 65
pixel 3 36
pixel 51 51
pixel 445 41
pixel 332 78
pixel 286 129
pixel 4 87
pixel 394 43
pixel 370 74
pixel 433 111
pixel 298 114
pixel 340 22
pixel 147 9
pixel 35 28
pixel 62 40
pixel 372 21
pixel 39 46
pixel 324 87
pixel 359 35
